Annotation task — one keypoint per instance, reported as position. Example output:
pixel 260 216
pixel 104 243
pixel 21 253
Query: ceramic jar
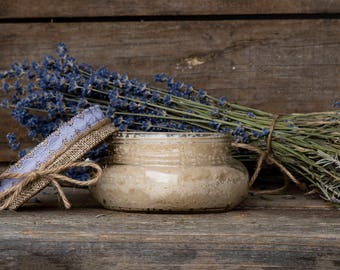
pixel 171 172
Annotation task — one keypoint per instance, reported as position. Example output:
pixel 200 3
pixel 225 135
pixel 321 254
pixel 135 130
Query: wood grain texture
pixel 258 236
pixel 99 8
pixel 279 66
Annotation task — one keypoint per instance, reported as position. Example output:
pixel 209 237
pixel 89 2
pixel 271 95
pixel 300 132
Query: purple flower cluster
pixel 12 141
pixel 42 95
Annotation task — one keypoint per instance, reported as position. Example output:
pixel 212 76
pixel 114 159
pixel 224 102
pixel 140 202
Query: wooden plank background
pixel 284 57
pixel 90 8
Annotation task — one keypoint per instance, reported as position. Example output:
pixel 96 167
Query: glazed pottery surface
pixel 171 172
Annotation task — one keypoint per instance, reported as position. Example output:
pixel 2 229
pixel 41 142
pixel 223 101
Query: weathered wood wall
pixel 276 55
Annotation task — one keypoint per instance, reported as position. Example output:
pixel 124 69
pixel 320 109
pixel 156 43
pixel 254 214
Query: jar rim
pixel 172 135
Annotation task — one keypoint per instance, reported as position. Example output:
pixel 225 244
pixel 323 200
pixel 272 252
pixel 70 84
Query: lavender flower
pixel 5 87
pixel 12 141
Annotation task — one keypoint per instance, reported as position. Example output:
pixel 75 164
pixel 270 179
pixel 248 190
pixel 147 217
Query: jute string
pixel 54 175
pixel 266 156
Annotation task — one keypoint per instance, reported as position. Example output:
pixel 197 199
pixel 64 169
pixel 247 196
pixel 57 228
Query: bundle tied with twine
pixel 304 146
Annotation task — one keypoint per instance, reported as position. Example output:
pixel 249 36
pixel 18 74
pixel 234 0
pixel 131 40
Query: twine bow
pixel 54 175
pixel 266 156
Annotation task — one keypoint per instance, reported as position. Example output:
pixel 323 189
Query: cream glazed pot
pixel 171 172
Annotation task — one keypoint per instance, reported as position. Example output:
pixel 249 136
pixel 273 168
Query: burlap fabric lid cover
pixel 64 146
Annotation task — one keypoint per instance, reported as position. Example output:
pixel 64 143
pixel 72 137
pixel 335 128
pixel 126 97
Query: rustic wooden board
pixel 99 8
pixel 262 234
pixel 275 65
pixel 279 66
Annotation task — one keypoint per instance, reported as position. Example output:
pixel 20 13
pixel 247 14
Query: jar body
pixel 171 172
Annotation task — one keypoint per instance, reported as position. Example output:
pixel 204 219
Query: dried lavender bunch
pixel 43 95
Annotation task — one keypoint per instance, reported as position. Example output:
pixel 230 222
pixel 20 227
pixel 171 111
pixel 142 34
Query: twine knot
pixel 269 159
pixel 53 175
pixel 34 175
